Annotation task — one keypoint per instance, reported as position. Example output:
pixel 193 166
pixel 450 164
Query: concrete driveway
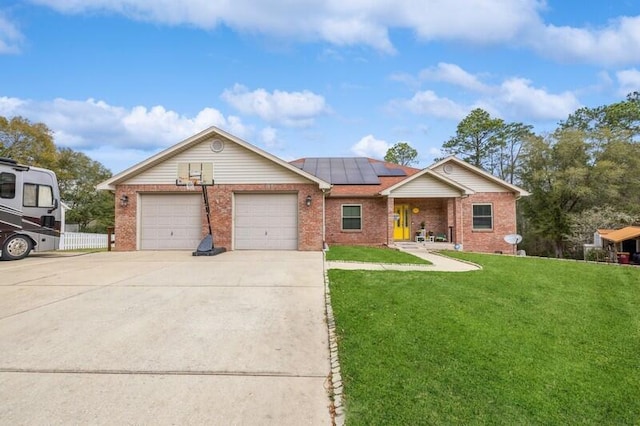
pixel 164 338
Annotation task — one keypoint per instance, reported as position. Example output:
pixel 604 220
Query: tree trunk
pixel 558 249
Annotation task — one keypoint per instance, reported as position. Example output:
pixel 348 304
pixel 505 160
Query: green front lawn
pixel 523 341
pixel 372 255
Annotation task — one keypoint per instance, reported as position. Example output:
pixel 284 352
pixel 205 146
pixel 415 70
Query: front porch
pixel 430 222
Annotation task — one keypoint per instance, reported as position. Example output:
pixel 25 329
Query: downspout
pixel 461 224
pixel 515 212
pixel 324 219
pixel 462 197
pixel 389 226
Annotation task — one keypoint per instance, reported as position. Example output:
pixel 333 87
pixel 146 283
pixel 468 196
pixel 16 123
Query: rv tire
pixel 16 247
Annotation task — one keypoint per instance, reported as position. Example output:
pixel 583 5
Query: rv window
pixel 45 196
pixel 7 185
pixel 37 195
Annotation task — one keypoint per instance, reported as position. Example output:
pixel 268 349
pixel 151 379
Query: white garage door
pixel 266 222
pixel 170 221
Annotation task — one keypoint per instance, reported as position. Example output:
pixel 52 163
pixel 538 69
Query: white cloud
pixel 353 30
pixel 306 20
pixel 355 22
pixel 487 21
pixel 9 105
pixel 95 126
pixel 453 74
pixel 514 98
pixel 428 103
pixel 629 81
pixel 520 99
pixel 10 36
pixel 269 137
pixel 169 126
pixel 298 109
pixel 369 146
pixel 360 22
pixel 616 44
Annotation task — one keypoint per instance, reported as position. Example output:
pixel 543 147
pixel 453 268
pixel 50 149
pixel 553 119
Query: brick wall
pixel 375 220
pixel 441 213
pixel 504 222
pixel 438 215
pixel 377 225
pixel 221 204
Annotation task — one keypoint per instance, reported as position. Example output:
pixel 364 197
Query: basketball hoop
pixel 191 175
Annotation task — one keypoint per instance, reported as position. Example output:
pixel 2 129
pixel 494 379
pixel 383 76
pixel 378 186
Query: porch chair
pixel 420 236
pixel 441 238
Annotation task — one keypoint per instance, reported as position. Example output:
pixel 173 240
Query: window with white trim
pixel 482 217
pixel 351 217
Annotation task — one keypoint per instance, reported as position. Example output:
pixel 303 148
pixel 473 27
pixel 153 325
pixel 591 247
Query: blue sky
pixel 123 79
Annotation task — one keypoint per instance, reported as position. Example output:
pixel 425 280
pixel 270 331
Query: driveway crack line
pixel 159 372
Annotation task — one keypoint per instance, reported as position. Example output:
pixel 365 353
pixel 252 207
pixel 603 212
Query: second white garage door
pixel 170 221
pixel 266 222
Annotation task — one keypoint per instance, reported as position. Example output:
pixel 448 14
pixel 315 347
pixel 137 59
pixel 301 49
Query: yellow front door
pixel 401 223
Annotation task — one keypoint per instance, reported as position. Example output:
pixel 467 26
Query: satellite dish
pixel 513 238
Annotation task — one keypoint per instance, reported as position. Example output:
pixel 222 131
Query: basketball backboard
pixel 195 174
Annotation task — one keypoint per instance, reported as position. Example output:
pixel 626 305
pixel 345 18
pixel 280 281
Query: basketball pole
pixel 206 246
pixel 192 175
pixel 205 197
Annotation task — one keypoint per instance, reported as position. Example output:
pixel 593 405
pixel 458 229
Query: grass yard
pixel 523 341
pixel 372 255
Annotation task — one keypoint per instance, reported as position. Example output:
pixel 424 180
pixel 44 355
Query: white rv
pixel 29 210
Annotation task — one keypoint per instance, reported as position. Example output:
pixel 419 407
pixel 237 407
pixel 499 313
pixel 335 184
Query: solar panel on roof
pixel 382 170
pixel 342 171
pixel 323 170
pixel 368 174
pixel 310 164
pixel 352 172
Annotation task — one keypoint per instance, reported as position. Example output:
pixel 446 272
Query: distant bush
pixel 597 255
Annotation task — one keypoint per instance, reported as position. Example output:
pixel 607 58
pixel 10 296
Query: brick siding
pixel 504 222
pixel 375 219
pixel 221 202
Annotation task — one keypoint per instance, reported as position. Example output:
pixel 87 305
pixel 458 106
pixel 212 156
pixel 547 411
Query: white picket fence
pixel 82 240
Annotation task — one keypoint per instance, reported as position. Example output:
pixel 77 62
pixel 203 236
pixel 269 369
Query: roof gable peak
pixel 200 137
pixel 480 172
